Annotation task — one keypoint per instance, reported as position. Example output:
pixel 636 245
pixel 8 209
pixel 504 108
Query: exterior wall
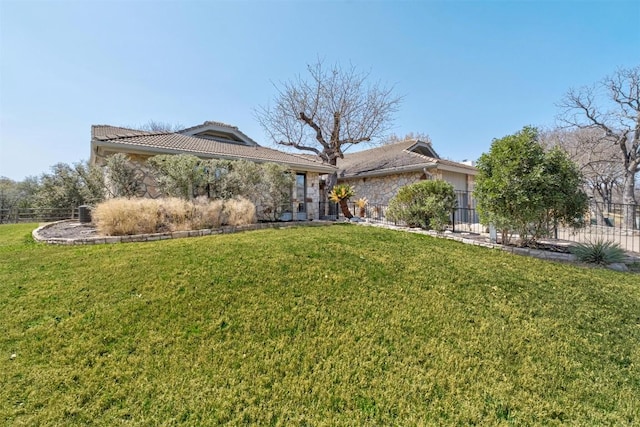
pixel 380 189
pixel 313 195
pixel 459 181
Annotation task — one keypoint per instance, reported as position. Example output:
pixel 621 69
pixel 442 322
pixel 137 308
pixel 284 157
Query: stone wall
pixel 380 189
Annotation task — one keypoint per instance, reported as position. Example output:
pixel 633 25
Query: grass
pixel 340 325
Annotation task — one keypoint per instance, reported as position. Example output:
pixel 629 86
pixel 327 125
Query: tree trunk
pixel 344 207
pixel 332 180
pixel 629 199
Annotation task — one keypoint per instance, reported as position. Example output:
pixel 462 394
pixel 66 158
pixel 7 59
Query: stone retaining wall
pixel 168 235
pixel 536 253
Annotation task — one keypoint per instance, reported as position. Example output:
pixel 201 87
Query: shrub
pixel 239 211
pixel 174 214
pixel 599 251
pixel 123 178
pixel 178 175
pixel 522 188
pixel 117 217
pixel 425 204
pixel 207 214
pixel 275 189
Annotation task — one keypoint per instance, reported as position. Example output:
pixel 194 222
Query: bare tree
pixel 329 112
pixel 600 162
pixel 611 107
pixel 154 126
pixel 393 138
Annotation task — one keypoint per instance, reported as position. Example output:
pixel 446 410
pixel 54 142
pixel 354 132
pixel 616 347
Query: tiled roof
pixel 231 128
pixel 210 122
pixel 110 132
pixel 158 143
pixel 389 158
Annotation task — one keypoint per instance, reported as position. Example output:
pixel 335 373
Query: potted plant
pixel 361 203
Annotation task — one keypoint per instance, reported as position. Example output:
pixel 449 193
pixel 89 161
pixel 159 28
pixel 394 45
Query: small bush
pixel 599 251
pixel 425 204
pixel 174 214
pixel 208 214
pixel 239 211
pixel 117 217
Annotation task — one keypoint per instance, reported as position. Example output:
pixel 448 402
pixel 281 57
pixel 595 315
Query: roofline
pixel 218 126
pixel 390 171
pixel 469 170
pixel 412 168
pixel 320 168
pixel 420 143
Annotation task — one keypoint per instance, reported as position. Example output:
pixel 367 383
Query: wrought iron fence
pixel 16 215
pixel 614 222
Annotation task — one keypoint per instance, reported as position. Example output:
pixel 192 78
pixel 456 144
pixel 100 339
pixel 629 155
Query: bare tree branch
pixel 155 126
pixel 329 111
pixel 612 107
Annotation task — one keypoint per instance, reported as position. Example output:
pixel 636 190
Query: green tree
pixel 523 189
pixel 122 176
pixel 426 204
pixel 231 178
pixel 178 175
pixel 275 188
pixel 67 187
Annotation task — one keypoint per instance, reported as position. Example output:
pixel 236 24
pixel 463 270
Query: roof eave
pixel 469 170
pixel 320 168
pixel 389 171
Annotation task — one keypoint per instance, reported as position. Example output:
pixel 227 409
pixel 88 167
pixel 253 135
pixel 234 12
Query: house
pixel 378 173
pixel 210 140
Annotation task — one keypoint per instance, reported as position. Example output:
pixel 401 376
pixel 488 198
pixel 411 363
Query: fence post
pixel 453 221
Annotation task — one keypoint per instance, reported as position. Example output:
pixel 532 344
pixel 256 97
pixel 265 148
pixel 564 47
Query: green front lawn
pixel 340 325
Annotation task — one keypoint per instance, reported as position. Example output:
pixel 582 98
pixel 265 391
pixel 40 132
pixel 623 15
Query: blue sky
pixel 469 71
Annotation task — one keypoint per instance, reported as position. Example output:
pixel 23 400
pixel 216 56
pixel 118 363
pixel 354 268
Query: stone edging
pixel 536 253
pixel 168 235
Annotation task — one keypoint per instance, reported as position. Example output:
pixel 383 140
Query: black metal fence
pixel 613 222
pixel 16 215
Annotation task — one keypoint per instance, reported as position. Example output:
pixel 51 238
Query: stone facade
pixel 379 190
pixel 313 195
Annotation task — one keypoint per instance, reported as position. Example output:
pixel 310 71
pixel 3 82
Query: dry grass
pixel 121 216
pixel 207 214
pixel 117 217
pixel 239 211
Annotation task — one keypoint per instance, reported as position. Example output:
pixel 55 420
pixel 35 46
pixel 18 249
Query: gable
pixel 399 157
pixel 424 149
pixel 219 132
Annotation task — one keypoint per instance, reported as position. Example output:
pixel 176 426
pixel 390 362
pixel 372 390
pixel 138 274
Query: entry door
pixel 301 196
